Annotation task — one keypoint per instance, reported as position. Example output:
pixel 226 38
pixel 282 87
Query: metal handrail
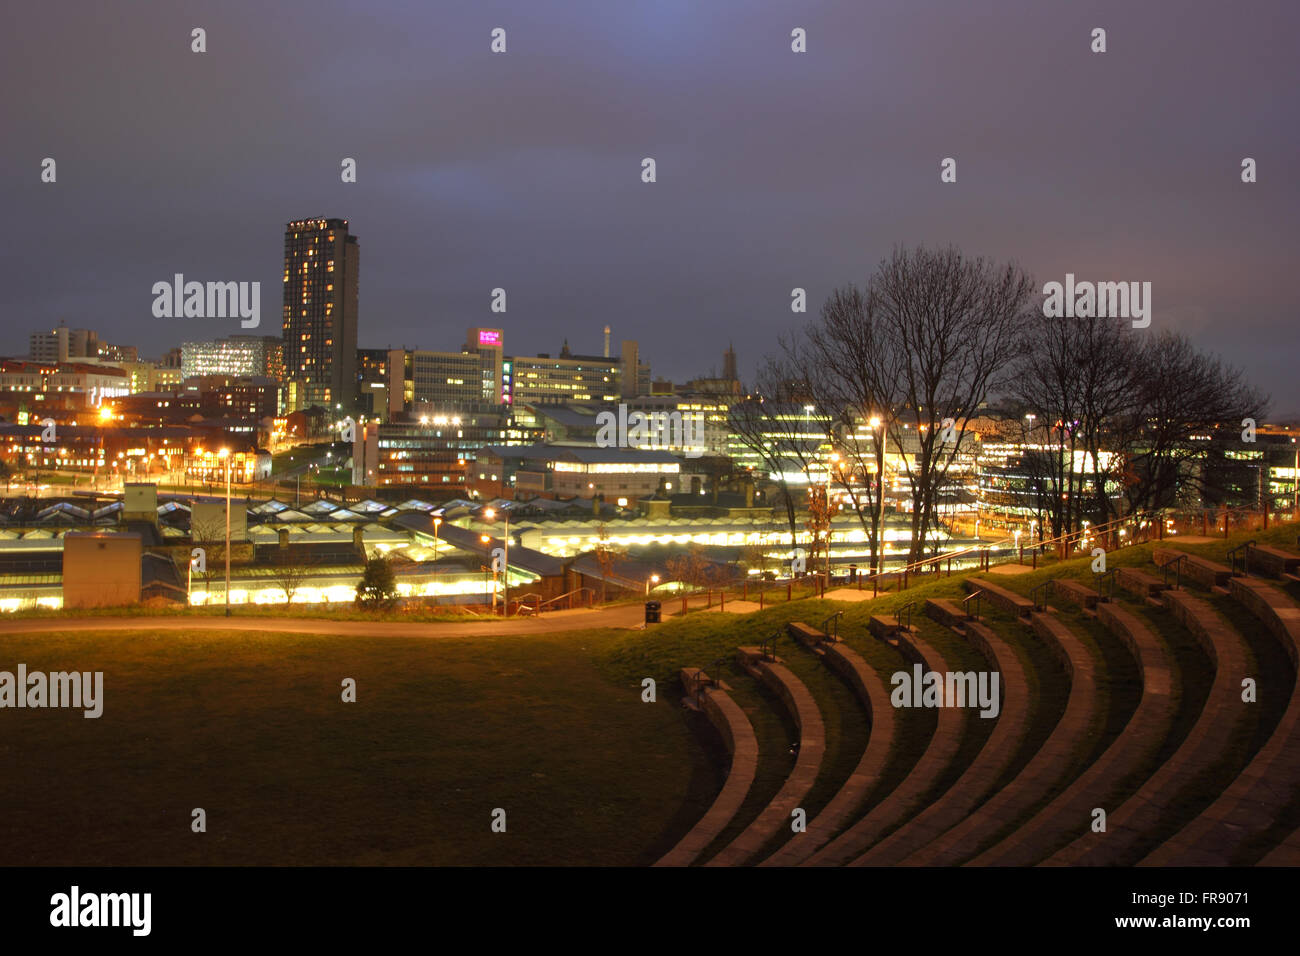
pixel 898 615
pixel 974 595
pixel 1011 541
pixel 1033 594
pixel 1109 576
pixel 835 619
pixel 559 597
pixel 1177 565
pixel 763 647
pixel 1244 548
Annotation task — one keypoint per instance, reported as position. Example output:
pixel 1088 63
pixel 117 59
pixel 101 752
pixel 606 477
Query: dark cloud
pixel 775 169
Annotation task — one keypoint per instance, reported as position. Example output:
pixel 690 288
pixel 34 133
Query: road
pixel 582 619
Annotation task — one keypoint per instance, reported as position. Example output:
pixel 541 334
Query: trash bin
pixel 652 612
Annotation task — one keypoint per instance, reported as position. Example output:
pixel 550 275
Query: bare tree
pixel 927 342
pixel 290 569
pixel 607 553
pixel 210 535
pixel 785 427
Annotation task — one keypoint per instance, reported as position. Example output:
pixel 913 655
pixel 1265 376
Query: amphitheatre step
pixel 809 636
pixel 807 764
pixel 871 688
pixel 1139 583
pixel 1071 811
pixel 885 626
pixel 1275 562
pixel 948 613
pixel 1200 570
pixel 1045 768
pixel 1208 742
pixel 1286 853
pixel 989 764
pixel 1075 592
pixel 742 745
pixel 1001 597
pixel 901 801
pixel 1253 801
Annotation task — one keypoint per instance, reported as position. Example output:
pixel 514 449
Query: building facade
pixel 321 265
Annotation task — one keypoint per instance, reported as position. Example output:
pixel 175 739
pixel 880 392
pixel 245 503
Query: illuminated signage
pixel 489 337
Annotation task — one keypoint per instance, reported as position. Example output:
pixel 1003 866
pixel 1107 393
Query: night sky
pixel 775 169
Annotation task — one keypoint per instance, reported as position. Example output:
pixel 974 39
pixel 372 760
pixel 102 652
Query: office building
pixel 321 265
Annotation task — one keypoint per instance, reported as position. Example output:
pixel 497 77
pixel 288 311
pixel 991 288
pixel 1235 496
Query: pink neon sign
pixel 489 337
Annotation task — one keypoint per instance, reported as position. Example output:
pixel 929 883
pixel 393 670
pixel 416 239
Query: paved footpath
pixel 580 619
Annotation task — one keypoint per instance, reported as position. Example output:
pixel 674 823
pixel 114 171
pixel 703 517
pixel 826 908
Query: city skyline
pixel 542 194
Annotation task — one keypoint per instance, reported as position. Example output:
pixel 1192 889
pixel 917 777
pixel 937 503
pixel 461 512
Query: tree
pixel 1118 413
pixel 606 554
pixel 210 535
pixel 290 568
pixel 691 567
pixel 926 342
pixel 784 428
pixel 377 589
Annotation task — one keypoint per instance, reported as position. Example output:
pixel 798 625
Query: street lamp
pixel 437 523
pixel 876 423
pixel 653 579
pixel 505 565
pixel 225 453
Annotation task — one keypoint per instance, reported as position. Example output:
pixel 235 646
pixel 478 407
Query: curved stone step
pixel 1207 743
pixel 812 746
pixel 1286 853
pixel 978 779
pixel 1071 810
pixel 1004 598
pixel 1044 769
pixel 871 688
pixel 738 735
pixel 1270 781
pixel 1202 571
pixel 902 800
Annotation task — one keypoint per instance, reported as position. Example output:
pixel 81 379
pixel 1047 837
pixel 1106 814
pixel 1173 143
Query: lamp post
pixel 653 578
pixel 225 453
pixel 505 568
pixel 875 423
pixel 831 465
pixel 437 523
pixel 491 570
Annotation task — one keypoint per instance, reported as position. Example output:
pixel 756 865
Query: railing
pixel 906 609
pixel 1177 565
pixel 1107 577
pixel 768 647
pixel 973 596
pixel 1118 533
pixel 1244 549
pixel 1040 605
pixel 541 605
pixel 833 620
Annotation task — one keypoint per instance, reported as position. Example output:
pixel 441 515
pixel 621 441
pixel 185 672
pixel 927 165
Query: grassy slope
pixel 551 728
pixel 251 728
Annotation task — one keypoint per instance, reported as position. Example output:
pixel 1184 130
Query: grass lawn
pixel 251 728
pixel 551 728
